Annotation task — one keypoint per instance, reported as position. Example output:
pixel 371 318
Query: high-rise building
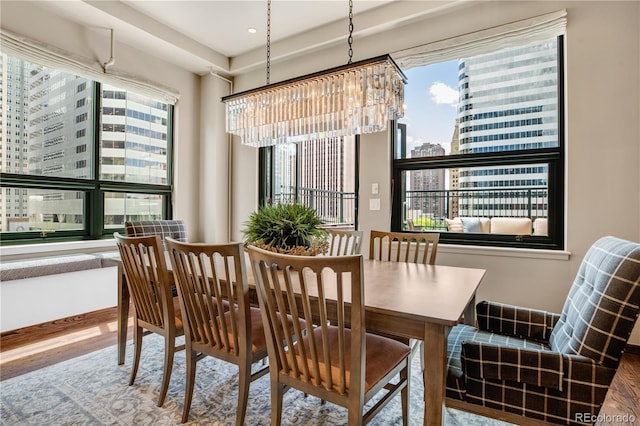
pixel 508 101
pixel 454 174
pixel 14 139
pixel 428 185
pixel 319 174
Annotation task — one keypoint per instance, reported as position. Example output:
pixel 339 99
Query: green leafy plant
pixel 286 228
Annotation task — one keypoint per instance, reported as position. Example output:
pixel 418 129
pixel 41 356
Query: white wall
pixel 602 134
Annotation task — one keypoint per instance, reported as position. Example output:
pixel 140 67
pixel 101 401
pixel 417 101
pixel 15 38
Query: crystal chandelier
pixel 357 98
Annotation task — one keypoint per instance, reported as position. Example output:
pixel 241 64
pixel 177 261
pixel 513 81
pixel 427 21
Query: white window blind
pixel 485 41
pixel 52 57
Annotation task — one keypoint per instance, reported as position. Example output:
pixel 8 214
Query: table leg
pixel 470 312
pixel 435 357
pixel 123 314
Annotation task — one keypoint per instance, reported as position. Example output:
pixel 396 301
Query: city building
pixel 508 101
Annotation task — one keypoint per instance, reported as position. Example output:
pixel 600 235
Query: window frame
pixel 553 157
pixel 94 189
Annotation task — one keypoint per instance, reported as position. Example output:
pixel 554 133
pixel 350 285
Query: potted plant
pixel 286 228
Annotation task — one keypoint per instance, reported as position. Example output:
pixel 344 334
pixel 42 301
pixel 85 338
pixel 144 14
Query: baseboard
pixel 632 349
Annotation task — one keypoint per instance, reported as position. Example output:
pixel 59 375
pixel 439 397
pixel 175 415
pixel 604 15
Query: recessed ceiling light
pixel 252 30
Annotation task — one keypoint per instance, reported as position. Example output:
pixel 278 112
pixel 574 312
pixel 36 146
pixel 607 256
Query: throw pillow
pixel 471 224
pixel 454 225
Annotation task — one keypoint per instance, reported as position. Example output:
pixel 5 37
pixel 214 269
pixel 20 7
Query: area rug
pixel 92 390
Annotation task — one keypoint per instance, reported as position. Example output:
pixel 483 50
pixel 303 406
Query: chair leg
pixel 405 375
pixel 277 391
pixel 137 346
pixel 169 351
pixel 244 380
pixel 191 378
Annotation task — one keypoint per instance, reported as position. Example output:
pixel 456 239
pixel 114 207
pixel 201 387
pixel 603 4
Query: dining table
pixel 407 300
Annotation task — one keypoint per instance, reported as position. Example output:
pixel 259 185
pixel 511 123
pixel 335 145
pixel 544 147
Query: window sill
pixel 26 251
pixel 505 252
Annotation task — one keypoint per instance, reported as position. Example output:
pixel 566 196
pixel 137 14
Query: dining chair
pixel 219 321
pixel 534 367
pixel 337 361
pixel 408 247
pixel 343 242
pixel 155 310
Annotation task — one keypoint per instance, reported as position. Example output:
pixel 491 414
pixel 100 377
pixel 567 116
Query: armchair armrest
pixel 586 377
pixel 516 321
pixel 531 366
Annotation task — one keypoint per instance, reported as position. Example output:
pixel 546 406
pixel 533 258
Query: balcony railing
pixel 426 210
pixel 333 207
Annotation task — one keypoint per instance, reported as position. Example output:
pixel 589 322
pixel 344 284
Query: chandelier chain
pixel 268 40
pixel 350 39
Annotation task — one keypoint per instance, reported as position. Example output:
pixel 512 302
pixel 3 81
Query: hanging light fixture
pixel 357 98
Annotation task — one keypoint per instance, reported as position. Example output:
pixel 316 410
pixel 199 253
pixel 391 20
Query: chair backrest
pixel 206 275
pixel 603 303
pixel 308 287
pixel 404 246
pixel 164 228
pixel 344 243
pixel 148 279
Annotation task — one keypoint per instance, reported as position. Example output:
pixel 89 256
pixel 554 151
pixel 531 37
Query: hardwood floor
pixel 35 347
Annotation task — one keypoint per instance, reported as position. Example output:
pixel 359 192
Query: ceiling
pixel 213 35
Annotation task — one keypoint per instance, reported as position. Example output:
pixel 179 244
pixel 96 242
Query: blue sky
pixel 431 99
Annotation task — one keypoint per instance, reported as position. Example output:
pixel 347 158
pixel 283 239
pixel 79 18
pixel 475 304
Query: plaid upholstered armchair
pixel 165 228
pixel 529 366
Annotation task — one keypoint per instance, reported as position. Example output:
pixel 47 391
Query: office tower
pixel 14 125
pixel 508 101
pixel 428 185
pixel 454 174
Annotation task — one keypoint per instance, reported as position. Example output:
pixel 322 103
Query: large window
pixel 479 155
pixel 77 157
pixel 321 174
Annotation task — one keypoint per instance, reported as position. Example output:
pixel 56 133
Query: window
pixel 479 156
pixel 71 122
pixel 321 174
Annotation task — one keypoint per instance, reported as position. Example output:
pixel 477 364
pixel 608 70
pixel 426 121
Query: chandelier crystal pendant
pixel 357 98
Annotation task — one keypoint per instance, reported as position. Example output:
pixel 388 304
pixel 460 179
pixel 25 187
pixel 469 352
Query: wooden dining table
pixel 401 299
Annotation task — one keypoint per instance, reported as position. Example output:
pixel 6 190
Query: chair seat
pixel 382 356
pixel 463 333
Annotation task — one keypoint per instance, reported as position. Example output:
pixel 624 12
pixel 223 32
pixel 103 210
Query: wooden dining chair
pixel 343 242
pixel 337 361
pixel 408 247
pixel 219 321
pixel 155 310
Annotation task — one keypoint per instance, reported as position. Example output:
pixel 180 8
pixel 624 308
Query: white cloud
pixel 443 94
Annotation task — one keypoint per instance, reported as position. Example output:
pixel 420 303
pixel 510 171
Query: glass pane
pixel 133 137
pixel 502 101
pixel 319 174
pixel 120 207
pixel 41 210
pixel 47 117
pixel 491 194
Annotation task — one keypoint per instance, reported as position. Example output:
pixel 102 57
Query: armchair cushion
pixel 516 321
